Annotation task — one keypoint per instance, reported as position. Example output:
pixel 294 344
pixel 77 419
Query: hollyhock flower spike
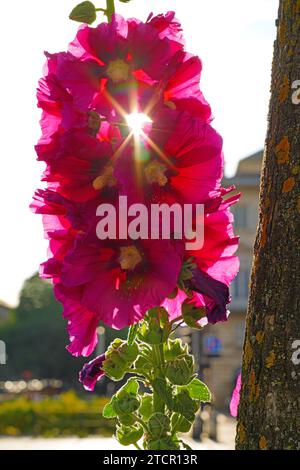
pixel 123 116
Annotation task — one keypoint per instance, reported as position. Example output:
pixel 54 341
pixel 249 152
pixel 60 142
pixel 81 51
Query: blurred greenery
pixel 66 415
pixel 35 336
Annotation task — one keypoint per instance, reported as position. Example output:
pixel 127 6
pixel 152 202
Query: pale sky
pixel 234 39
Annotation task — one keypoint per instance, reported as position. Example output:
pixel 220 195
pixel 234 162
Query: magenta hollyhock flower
pixel 168 27
pixel 119 281
pixel 179 89
pixel 72 214
pixel 235 399
pixel 92 372
pixel 56 102
pixel 122 47
pixel 216 266
pixel 81 167
pixel 187 169
pixel 123 59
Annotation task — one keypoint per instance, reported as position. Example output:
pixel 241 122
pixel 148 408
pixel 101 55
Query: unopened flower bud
pixel 155 329
pixel 180 371
pixel 92 372
pixel 114 366
pixel 125 403
pixel 192 314
pixel 129 435
pixel 126 420
pixel 127 352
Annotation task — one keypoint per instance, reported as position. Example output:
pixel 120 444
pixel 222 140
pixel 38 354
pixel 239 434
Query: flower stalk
pixel 110 9
pixel 85 104
pixel 158 403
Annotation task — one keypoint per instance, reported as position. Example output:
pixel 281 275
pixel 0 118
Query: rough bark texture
pixel 269 411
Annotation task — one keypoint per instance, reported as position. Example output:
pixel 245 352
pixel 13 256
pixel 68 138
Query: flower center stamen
pixel 118 70
pixel 93 122
pixel 129 257
pixel 155 173
pixel 105 179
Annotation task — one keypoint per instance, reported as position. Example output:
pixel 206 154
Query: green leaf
pixel 131 386
pixel 166 443
pixel 132 333
pixel 164 391
pixel 180 424
pixel 108 410
pixel 198 391
pixel 143 364
pixel 146 408
pixel 175 348
pixel 159 425
pixel 85 12
pixel 185 405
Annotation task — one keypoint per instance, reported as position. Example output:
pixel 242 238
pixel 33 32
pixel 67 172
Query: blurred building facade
pixel 219 347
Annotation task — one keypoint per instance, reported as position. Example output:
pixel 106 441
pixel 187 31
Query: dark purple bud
pixel 92 372
pixel 215 293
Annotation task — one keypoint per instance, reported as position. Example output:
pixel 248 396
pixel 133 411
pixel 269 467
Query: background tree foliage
pixel 35 337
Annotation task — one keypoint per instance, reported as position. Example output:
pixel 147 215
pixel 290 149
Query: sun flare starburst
pixel 137 121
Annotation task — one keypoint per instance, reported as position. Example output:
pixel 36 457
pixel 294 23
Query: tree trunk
pixel 269 411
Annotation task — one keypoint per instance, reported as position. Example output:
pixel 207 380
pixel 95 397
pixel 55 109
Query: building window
pixel 240 216
pixel 240 285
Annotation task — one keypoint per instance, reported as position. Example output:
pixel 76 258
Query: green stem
pixel 176 320
pixel 137 446
pixel 161 356
pixel 110 9
pixel 175 424
pixel 139 420
pixel 158 403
